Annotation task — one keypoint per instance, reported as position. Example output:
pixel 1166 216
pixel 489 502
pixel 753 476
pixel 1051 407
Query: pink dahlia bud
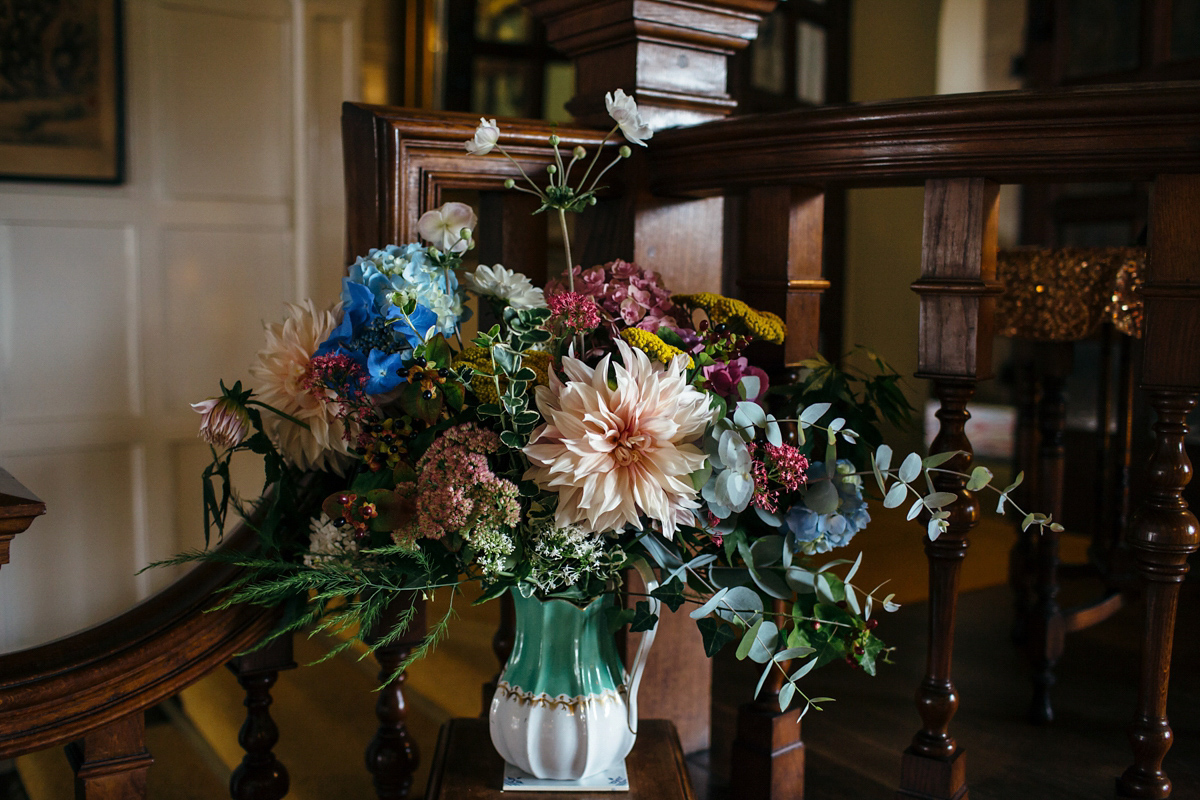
pixel 224 422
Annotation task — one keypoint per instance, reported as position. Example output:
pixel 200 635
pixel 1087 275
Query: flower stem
pixel 275 410
pixel 596 157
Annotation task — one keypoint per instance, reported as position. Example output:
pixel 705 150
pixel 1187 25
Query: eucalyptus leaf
pixel 911 468
pixel 708 607
pixel 821 497
pixel 940 499
pixel 793 652
pixel 937 459
pixel 748 640
pixel 883 457
pixel 980 477
pixel 854 569
pixel 800 580
pixel 765 642
pixel 741 603
pixel 813 413
pixel 895 495
pixel 767 551
pixel 916 508
pixel 786 693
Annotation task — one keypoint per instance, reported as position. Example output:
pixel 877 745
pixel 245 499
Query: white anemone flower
pixel 443 227
pixel 486 136
pixel 624 111
pixel 506 285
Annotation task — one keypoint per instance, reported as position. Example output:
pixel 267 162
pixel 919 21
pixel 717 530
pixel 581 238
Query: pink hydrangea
pixel 626 294
pixel 457 491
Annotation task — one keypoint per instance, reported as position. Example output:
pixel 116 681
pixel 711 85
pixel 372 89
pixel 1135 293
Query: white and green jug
pixel 565 708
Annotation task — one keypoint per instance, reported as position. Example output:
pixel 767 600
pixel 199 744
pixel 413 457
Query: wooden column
pixel 780 272
pixel 672 57
pixel 18 508
pixel 1026 440
pixel 1164 532
pixel 110 763
pixel 957 288
pixel 392 756
pixel 260 776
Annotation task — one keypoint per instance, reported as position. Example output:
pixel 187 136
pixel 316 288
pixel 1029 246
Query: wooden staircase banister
pixel 59 691
pixel 1124 132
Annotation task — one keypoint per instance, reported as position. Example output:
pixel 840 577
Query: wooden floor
pixel 854 746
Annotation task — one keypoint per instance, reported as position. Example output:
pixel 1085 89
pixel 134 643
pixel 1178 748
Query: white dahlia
pixel 510 287
pixel 281 372
pixel 617 454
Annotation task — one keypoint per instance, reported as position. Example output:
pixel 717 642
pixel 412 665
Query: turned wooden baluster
pixel 392 756
pixel 780 272
pixel 260 776
pixel 1164 532
pixel 957 289
pixel 1020 558
pixel 1047 628
pixel 110 763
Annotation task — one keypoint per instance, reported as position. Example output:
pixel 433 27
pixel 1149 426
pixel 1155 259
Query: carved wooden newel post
pixel 1164 531
pixel 957 291
pixel 780 273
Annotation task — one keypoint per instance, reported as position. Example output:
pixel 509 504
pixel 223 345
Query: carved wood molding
pixel 18 509
pixel 400 161
pixel 1127 132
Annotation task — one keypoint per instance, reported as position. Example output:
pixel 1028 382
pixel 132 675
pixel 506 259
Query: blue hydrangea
pixel 820 533
pixel 410 271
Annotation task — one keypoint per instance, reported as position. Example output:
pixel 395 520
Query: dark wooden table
pixel 467 767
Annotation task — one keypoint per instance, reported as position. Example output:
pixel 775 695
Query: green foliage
pixel 862 399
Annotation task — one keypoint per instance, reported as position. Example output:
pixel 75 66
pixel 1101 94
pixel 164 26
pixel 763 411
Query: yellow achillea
pixel 762 324
pixel 481 359
pixel 653 346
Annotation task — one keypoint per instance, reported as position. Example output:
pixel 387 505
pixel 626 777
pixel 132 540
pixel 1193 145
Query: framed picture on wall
pixel 61 115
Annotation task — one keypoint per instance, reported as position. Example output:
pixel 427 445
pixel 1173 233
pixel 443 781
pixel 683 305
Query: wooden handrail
pixel 57 692
pixel 1125 132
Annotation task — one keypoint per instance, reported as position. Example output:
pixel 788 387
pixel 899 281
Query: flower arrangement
pixel 602 423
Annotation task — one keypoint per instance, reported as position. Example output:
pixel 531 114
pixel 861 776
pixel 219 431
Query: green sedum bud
pixel 625 152
pixel 554 140
pixel 579 152
pixel 552 169
pixel 510 183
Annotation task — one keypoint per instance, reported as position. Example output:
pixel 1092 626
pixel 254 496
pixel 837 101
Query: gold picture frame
pixel 61 104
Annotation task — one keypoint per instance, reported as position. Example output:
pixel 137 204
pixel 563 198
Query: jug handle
pixel 643 651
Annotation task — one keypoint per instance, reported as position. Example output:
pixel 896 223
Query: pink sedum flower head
pixel 224 422
pixel 443 227
pixel 617 453
pixel 282 373
pixel 624 111
pixel 485 138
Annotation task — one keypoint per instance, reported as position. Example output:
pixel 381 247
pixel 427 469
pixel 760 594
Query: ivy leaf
pixel 715 634
pixel 671 593
pixel 643 619
pixel 872 647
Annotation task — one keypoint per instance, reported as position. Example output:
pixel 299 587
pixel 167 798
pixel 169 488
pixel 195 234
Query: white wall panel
pixel 119 305
pixel 65 358
pixel 220 286
pixel 72 568
pixel 224 104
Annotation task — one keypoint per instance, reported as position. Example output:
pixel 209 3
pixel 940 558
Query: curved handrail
pixel 58 691
pixel 1123 132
